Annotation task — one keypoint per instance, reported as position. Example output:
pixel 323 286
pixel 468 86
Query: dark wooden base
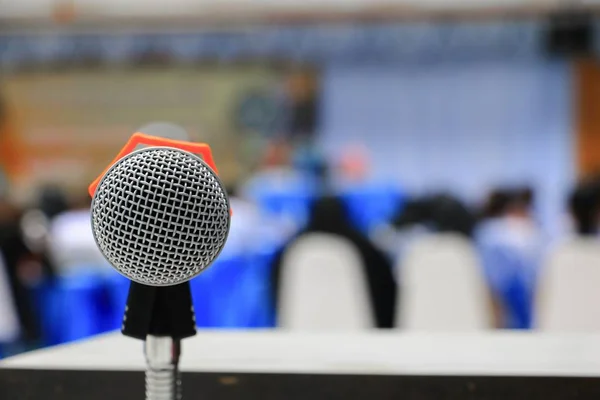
pixel 129 385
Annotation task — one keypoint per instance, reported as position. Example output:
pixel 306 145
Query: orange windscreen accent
pixel 141 138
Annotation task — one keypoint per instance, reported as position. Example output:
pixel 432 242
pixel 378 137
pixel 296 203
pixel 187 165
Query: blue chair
pixel 42 295
pixel 117 289
pixel 293 204
pixel 202 297
pixel 257 289
pixel 234 292
pixel 288 197
pixel 69 308
pixel 211 292
pixel 228 310
pixel 229 272
pixel 372 204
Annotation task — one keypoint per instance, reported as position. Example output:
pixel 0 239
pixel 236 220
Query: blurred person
pixel 71 243
pixel 372 201
pixel 52 201
pixel 20 267
pixel 330 215
pixel 300 127
pixel 510 246
pixel 309 161
pixel 10 327
pixel 23 269
pixel 35 224
pixel 274 168
pixel 353 164
pixel 350 169
pixel 251 229
pixel 496 204
pixel 247 218
pixel 440 213
pixel 279 188
pixel 584 207
pixel 303 107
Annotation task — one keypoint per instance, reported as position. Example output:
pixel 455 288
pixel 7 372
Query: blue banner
pixel 408 42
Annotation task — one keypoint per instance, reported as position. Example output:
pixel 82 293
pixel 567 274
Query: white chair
pixel 569 288
pixel 10 327
pixel 442 287
pixel 323 286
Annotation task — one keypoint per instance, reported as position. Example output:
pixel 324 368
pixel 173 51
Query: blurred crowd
pixel 296 190
pixel 55 286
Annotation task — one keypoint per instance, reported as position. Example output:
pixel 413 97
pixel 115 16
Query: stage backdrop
pixel 69 125
pixel 464 127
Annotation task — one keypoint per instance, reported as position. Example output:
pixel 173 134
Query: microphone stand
pixel 163 379
pixel 162 317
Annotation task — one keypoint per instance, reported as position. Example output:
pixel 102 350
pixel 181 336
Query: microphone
pixel 160 216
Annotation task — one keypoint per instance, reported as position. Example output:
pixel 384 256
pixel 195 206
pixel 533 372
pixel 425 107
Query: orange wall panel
pixel 587 112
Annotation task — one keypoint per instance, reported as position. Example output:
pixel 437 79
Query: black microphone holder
pixel 161 317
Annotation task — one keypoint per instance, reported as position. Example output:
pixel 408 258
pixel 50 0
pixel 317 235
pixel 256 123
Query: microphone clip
pixel 165 311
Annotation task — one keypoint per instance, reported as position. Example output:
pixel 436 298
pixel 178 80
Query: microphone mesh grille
pixel 160 216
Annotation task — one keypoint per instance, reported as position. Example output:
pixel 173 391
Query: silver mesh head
pixel 160 216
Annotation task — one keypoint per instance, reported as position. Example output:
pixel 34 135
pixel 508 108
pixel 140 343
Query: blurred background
pixel 392 164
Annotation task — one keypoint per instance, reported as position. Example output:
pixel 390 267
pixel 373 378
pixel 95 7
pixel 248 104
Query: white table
pixel 222 359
